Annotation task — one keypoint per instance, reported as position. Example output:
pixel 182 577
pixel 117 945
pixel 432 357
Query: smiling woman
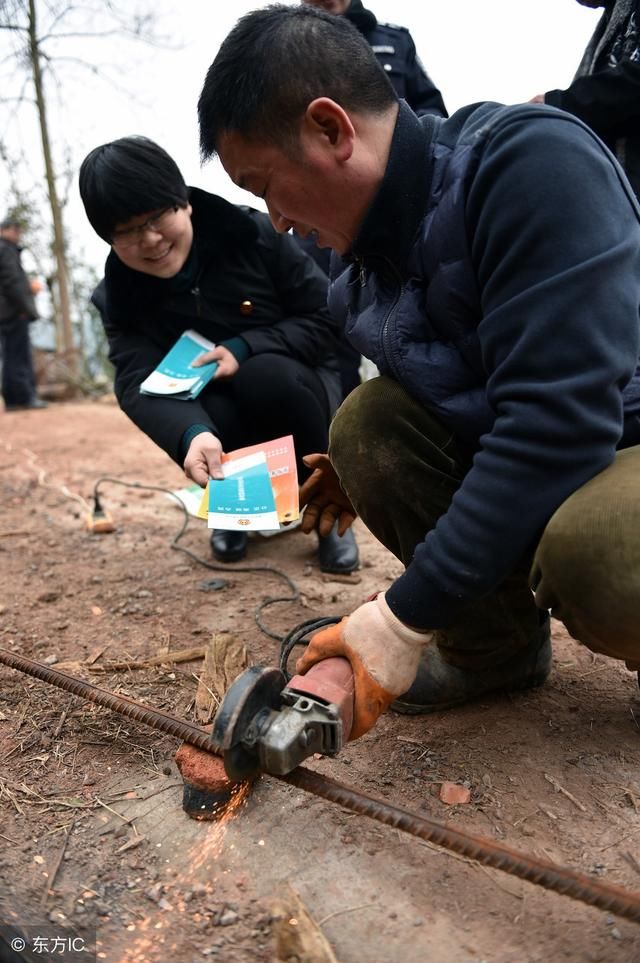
pixel 158 245
pixel 182 259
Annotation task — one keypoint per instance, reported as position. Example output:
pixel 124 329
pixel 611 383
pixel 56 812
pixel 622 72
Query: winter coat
pixel 504 297
pixel 242 280
pixel 16 299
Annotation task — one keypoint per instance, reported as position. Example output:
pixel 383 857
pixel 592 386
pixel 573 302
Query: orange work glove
pixel 384 654
pixel 325 500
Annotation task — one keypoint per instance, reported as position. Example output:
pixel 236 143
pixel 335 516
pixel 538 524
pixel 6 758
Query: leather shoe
pixel 228 546
pixel 440 685
pixel 338 554
pixel 34 403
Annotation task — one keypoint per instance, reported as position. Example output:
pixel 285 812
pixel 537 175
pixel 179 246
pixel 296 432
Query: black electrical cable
pixel 299 636
pixel 269 569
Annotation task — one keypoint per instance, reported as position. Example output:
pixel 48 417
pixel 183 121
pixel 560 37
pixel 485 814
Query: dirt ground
pixel 92 833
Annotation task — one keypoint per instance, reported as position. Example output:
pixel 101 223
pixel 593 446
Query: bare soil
pixel 92 833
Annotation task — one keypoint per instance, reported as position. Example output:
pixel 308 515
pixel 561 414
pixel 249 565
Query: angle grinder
pixel 268 724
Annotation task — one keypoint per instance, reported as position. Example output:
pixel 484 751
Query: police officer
pixel 396 51
pixel 17 309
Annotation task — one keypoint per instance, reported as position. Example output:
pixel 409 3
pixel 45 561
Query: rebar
pixel 613 899
pixel 154 718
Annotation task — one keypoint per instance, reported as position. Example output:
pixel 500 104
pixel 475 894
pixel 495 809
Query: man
pixel 181 258
pixel 605 92
pixel 17 310
pixel 492 272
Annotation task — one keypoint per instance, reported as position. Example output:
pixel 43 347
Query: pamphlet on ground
pixel 221 504
pixel 190 496
pixel 175 376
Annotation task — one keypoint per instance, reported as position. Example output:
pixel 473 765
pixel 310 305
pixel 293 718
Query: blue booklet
pixel 175 377
pixel 243 500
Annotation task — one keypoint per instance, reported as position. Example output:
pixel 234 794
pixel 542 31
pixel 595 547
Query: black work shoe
pixel 34 403
pixel 439 685
pixel 228 546
pixel 338 554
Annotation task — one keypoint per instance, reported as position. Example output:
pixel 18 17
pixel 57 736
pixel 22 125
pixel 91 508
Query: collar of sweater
pixel 391 223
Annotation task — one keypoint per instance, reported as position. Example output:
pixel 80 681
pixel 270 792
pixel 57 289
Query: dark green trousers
pixel 400 467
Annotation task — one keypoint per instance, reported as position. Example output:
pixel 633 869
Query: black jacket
pixel 504 298
pixel 16 299
pixel 396 52
pixel 605 92
pixel 236 257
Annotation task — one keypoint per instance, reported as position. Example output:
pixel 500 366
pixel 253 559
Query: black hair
pixel 274 63
pixel 126 178
pixel 11 221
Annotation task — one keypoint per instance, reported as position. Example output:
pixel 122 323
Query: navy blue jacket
pixel 396 52
pixel 496 276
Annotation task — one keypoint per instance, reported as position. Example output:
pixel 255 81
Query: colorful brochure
pixel 243 499
pixel 278 458
pixel 175 377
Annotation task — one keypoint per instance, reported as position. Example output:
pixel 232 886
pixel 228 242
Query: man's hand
pixel 203 459
pixel 227 362
pixel 326 502
pixel 384 654
pixel 538 99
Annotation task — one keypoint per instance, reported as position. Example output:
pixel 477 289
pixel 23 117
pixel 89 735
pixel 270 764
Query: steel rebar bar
pixel 613 899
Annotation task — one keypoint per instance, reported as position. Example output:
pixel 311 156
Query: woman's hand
pixel 227 362
pixel 203 459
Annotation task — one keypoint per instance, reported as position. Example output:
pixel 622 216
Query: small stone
pixel 154 893
pixel 453 794
pixel 51 659
pixel 228 918
pixel 616 934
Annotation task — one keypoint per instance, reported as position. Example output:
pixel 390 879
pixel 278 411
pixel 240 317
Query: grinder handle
pixel 331 680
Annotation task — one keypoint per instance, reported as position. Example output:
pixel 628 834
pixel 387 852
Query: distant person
pixel 181 258
pixel 491 270
pixel 17 311
pixel 605 92
pixel 396 52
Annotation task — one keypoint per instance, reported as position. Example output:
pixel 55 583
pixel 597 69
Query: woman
pixel 183 259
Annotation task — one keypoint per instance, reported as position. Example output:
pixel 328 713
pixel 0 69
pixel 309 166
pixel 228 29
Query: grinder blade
pixel 257 688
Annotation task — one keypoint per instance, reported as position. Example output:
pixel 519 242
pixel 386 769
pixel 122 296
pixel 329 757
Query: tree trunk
pixel 64 329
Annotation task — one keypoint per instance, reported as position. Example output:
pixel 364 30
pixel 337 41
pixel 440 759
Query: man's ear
pixel 326 122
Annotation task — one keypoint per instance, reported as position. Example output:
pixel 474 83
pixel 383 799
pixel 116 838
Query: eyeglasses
pixel 130 236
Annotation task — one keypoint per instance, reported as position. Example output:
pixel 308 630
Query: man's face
pixel 336 7
pixel 305 191
pixel 156 243
pixel 12 233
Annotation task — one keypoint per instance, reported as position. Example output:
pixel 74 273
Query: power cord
pixel 99 515
pixel 298 636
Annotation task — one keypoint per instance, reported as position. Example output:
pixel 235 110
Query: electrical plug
pixel 99 521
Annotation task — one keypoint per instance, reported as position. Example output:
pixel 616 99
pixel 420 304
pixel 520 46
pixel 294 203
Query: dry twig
pixel 565 792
